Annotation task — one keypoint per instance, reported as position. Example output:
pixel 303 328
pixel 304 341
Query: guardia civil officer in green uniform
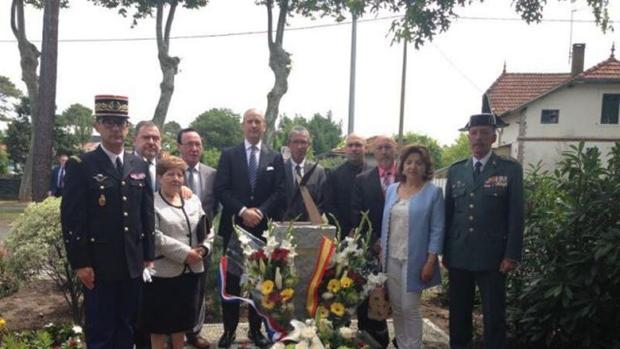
pixel 484 233
pixel 108 227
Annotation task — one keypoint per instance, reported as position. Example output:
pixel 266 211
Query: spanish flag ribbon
pixel 322 262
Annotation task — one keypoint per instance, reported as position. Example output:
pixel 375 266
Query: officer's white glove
pixel 147 273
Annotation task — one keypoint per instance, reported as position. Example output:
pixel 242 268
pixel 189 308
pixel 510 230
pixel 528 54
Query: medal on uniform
pixel 101 200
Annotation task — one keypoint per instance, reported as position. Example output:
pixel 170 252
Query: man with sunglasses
pixel 339 186
pixel 108 227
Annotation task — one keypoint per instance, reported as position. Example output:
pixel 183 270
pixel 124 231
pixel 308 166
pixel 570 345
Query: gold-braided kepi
pixel 110 105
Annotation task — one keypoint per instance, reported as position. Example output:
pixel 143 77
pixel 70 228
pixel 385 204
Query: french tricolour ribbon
pixel 322 262
pixel 275 331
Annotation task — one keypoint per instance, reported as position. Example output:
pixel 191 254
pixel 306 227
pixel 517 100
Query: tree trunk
pixel 29 61
pixel 43 125
pixel 280 64
pixel 169 65
pixel 169 70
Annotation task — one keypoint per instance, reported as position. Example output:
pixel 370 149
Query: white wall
pixel 580 116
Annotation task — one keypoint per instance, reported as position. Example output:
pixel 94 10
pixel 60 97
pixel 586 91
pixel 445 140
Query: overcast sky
pixel 445 80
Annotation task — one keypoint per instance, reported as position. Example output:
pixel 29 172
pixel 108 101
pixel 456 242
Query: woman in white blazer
pixel 171 301
pixel 411 240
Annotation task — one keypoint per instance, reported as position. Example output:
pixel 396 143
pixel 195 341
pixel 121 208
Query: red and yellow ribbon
pixel 322 262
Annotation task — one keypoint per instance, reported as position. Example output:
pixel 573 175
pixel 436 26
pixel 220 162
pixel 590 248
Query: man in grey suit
pixel 200 178
pixel 297 168
pixel 484 233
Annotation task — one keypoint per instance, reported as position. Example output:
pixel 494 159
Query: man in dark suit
pixel 57 181
pixel 108 227
pixel 484 233
pixel 200 179
pixel 297 168
pixel 250 184
pixel 147 145
pixel 339 186
pixel 369 196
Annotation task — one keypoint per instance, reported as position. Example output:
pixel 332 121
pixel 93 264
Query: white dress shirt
pixel 483 161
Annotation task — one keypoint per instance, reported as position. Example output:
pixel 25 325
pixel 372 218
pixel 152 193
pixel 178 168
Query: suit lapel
pixel 375 181
pixel 105 164
pixel 307 167
pixel 288 177
pixel 128 164
pixel 243 165
pixel 469 173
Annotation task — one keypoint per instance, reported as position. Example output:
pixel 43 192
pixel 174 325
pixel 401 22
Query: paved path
pixel 433 336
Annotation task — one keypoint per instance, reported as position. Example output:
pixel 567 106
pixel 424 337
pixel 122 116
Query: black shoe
pixel 226 339
pixel 258 339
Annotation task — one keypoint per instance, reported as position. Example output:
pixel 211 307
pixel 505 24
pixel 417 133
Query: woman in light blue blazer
pixel 411 240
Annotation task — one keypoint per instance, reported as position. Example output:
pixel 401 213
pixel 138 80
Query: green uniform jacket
pixel 484 217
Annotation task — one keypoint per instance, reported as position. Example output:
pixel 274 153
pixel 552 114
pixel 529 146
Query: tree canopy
pixel 433 146
pixel 457 151
pixel 78 121
pixel 325 133
pixel 8 91
pixel 219 128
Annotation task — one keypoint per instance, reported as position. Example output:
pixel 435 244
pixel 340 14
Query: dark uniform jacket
pixel 484 217
pixel 295 207
pixel 107 220
pixel 368 196
pixel 233 189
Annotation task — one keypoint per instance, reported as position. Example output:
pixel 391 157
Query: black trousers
pixel 230 310
pixel 492 286
pixel 377 329
pixel 110 313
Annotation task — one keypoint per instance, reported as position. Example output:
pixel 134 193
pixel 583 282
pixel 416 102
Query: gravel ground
pixel 433 336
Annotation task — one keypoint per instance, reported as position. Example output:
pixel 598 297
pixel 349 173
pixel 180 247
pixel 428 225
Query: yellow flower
pixel 287 294
pixel 267 304
pixel 266 287
pixel 346 282
pixel 337 308
pixel 2 323
pixel 333 285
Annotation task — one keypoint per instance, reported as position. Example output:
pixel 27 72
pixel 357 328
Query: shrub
pixel 565 294
pixel 51 336
pixel 8 282
pixel 36 249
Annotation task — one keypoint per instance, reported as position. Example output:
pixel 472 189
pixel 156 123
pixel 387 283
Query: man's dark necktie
pixel 477 168
pixel 298 172
pixel 252 166
pixel 119 166
pixel 191 184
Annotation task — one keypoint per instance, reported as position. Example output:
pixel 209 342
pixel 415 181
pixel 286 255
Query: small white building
pixel 548 112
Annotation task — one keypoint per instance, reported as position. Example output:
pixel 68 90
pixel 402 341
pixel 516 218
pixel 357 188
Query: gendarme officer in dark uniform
pixel 108 227
pixel 484 233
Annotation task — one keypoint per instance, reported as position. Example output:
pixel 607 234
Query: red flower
pixel 258 255
pixel 279 254
pixel 275 297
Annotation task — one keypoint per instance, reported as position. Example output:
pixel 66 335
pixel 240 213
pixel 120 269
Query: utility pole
pixel 351 124
pixel 403 83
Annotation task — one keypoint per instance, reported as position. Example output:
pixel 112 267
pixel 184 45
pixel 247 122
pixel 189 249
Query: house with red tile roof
pixel 548 112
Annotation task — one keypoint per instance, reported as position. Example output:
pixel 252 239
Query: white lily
pixel 76 329
pixel 346 332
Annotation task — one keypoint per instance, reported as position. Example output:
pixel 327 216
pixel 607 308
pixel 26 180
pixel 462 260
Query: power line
pixel 309 27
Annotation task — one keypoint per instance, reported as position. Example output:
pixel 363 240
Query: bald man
pixel 250 185
pixel 339 186
pixel 369 195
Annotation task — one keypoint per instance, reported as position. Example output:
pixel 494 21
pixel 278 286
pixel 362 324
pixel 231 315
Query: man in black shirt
pixel 340 182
